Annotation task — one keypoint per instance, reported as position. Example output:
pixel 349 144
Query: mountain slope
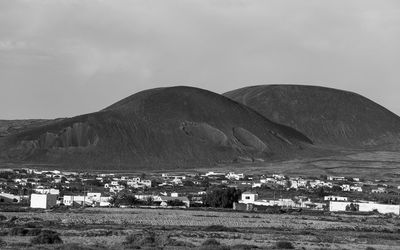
pixel 158 128
pixel 327 116
pixel 8 127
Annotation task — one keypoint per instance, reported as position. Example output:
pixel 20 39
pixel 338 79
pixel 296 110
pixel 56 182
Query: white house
pixel 268 180
pixel 4 197
pixel 146 183
pixel 345 187
pixel 294 184
pixel 215 174
pixel 335 206
pixel 356 189
pixel 278 176
pixel 335 198
pixel 93 196
pixel 233 176
pixel 248 197
pixel 44 201
pixel 336 178
pixel 47 191
pixel 379 190
pixel 89 199
pixel 165 199
pixel 256 185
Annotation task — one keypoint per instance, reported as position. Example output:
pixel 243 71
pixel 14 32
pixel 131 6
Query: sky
pixel 61 58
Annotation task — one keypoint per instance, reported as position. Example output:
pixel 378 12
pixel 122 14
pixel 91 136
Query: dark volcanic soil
pixel 327 116
pixel 178 127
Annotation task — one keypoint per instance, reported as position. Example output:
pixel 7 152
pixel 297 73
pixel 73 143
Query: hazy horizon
pixel 66 58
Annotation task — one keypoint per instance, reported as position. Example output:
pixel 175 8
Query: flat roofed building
pixel 44 201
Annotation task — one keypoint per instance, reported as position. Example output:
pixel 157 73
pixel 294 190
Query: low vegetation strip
pixel 179 229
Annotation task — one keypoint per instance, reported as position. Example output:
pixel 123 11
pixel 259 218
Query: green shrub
pixel 284 245
pixel 47 237
pixel 178 243
pixel 34 232
pixel 18 231
pixel 370 248
pixel 211 242
pixel 244 247
pixel 32 224
pixel 3 217
pixel 2 243
pixel 76 246
pixel 220 228
pixel 147 239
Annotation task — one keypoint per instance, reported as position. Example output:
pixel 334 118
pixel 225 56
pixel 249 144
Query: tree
pixel 222 197
pixel 123 198
pixel 175 202
pixel 352 207
pixel 320 192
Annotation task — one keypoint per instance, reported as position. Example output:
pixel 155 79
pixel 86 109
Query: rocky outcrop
pixel 205 133
pixel 247 139
pixel 77 135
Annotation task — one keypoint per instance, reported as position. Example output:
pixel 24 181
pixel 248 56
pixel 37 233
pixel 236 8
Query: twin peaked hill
pixel 185 127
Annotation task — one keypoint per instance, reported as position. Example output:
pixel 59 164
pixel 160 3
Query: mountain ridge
pixel 326 115
pixel 163 127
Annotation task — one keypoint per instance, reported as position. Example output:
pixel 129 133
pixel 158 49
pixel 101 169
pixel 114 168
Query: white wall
pixel 365 207
pixel 249 198
pixel 44 201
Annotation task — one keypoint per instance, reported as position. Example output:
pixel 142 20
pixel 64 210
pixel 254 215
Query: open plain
pixel 127 228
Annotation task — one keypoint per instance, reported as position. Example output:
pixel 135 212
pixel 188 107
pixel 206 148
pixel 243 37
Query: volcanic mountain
pixel 327 116
pixel 177 127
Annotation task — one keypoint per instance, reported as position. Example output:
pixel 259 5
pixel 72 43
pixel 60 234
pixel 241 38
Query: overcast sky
pixel 65 58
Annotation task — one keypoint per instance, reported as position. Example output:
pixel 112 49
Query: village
pixel 43 189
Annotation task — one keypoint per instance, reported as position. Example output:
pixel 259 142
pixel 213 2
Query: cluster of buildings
pixel 44 189
pixel 250 201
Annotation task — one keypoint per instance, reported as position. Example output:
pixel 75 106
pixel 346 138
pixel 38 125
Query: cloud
pixel 111 49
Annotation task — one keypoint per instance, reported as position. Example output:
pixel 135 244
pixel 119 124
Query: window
pixel 247 197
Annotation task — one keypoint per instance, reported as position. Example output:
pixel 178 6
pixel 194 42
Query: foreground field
pixel 114 228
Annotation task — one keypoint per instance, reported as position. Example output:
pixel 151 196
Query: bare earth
pixel 108 227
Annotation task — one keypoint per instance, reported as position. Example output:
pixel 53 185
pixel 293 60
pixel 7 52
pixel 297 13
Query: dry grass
pixel 110 227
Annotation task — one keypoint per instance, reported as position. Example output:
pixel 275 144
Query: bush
pixel 370 248
pixel 178 243
pixel 220 228
pixel 147 239
pixel 32 224
pixel 211 242
pixel 34 232
pixel 76 246
pixel 2 243
pixel 18 231
pixel 244 247
pixel 47 237
pixel 284 245
pixel 3 217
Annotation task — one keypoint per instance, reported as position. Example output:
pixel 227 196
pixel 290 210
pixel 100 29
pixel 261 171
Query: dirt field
pixel 109 228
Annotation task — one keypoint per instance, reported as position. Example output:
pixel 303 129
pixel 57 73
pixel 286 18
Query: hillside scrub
pixel 47 237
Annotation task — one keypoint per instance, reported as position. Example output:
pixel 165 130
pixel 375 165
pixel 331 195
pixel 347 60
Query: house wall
pixel 44 201
pixel 365 207
pixel 335 198
pixel 249 197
